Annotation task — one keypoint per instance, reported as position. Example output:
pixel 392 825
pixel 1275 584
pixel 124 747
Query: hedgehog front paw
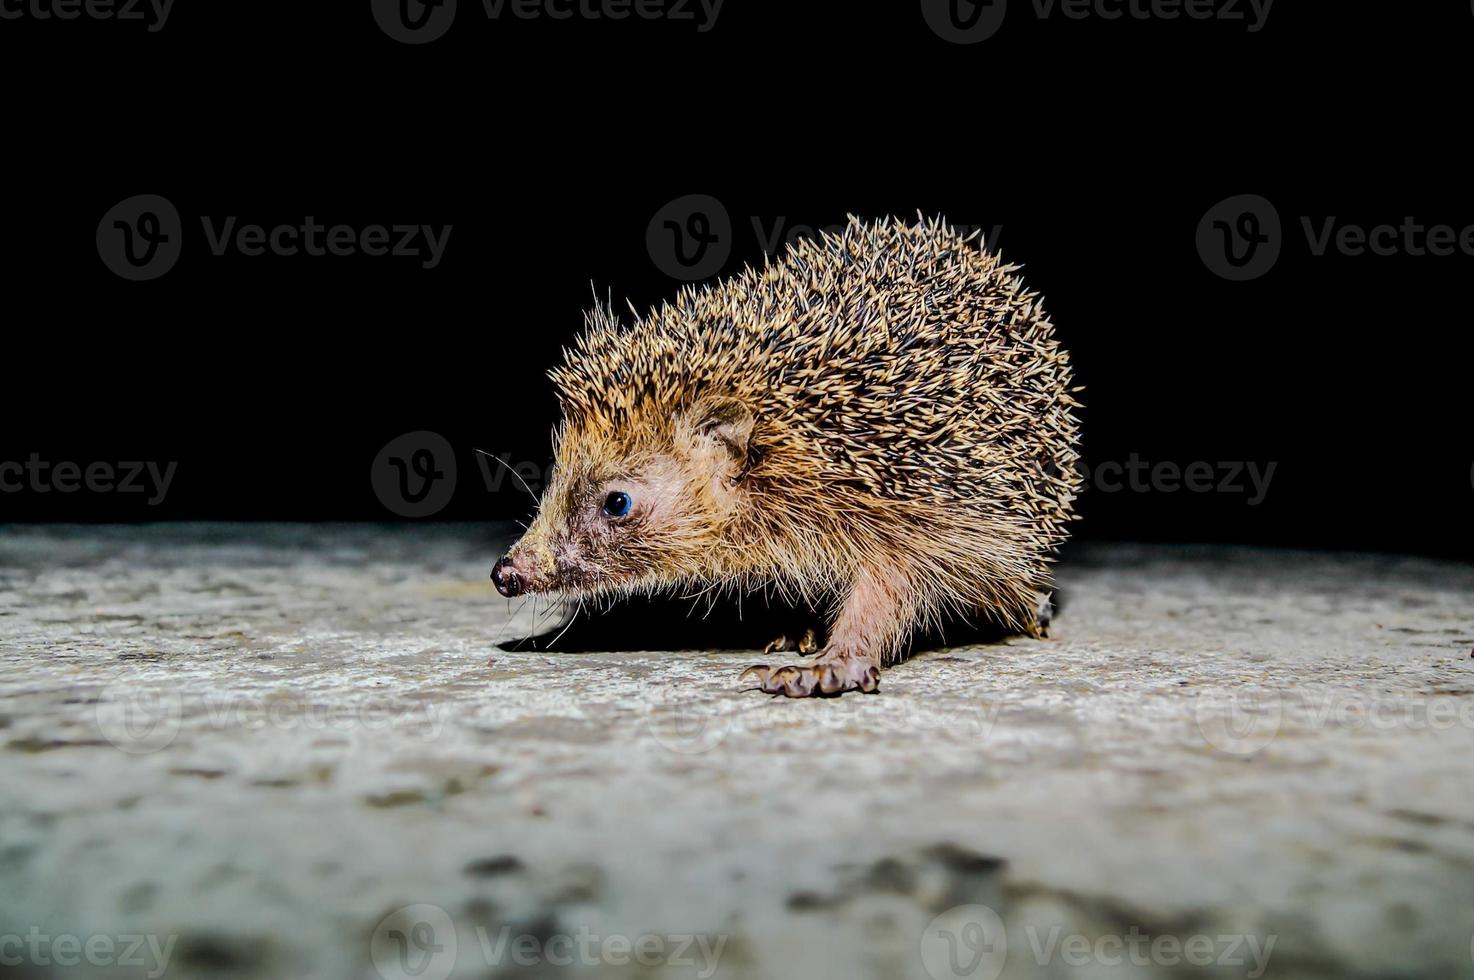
pixel 829 675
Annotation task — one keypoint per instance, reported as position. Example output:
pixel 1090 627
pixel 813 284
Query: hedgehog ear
pixel 727 421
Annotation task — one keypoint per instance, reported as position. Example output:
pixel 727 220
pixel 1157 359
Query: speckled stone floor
pixel 299 751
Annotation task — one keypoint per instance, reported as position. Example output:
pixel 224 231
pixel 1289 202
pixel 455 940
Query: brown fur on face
pixel 681 475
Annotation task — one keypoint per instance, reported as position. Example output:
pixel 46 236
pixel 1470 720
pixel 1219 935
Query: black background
pixel 1094 147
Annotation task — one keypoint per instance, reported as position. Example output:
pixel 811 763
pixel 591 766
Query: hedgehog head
pixel 636 500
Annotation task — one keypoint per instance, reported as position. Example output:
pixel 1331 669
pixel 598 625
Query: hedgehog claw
pixel 789 681
pixel 805 645
pixel 753 677
pixel 826 676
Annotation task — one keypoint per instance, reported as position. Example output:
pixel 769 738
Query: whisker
pixel 506 625
pixel 515 475
pixel 576 611
pixel 537 616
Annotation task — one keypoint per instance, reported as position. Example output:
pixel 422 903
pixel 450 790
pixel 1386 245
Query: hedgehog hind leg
pixel 1044 609
pixel 802 644
pixel 1015 612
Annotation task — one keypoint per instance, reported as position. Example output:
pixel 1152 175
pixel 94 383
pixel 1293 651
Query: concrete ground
pixel 298 751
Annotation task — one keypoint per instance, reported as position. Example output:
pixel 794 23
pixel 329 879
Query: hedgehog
pixel 878 423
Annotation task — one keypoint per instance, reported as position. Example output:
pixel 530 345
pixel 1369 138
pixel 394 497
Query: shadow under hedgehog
pixel 879 420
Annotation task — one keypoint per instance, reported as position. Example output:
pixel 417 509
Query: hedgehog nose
pixel 508 580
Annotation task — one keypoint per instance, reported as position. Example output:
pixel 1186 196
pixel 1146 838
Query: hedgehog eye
pixel 617 504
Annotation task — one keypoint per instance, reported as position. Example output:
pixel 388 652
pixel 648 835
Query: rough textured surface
pixel 324 731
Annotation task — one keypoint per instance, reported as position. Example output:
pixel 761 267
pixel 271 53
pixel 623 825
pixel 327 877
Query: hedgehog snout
pixel 509 581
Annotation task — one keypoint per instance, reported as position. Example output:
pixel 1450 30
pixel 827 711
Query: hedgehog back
pixel 910 362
